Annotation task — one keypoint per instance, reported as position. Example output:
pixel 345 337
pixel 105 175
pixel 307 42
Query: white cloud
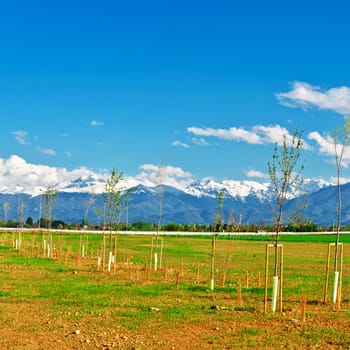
pixel 18 175
pixel 20 136
pixel 326 147
pixel 258 134
pixel 96 123
pixel 306 96
pixel 237 134
pixel 256 174
pixel 325 143
pixel 15 172
pixel 271 134
pixel 179 144
pixel 47 151
pixel 153 175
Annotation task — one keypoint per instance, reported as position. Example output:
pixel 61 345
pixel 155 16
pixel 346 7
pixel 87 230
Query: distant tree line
pixel 303 226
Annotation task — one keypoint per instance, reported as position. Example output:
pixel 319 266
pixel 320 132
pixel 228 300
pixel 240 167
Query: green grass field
pixel 69 290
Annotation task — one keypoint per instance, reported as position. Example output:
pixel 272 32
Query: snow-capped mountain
pixel 84 184
pixel 229 188
pixel 23 185
pixel 202 188
pixel 20 177
pixel 309 186
pixel 195 203
pixel 244 189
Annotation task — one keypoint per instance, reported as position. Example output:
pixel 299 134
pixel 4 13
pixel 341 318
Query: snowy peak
pixel 245 189
pixel 246 200
pixel 312 185
pixel 205 187
pixel 240 190
pixel 89 183
pixel 19 177
pixel 93 184
pixel 230 188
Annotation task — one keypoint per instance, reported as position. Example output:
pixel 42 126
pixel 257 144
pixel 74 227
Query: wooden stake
pixel 161 254
pixel 197 274
pixel 131 274
pixel 128 262
pixel 137 274
pixel 177 280
pixel 212 260
pixel 223 279
pixel 115 255
pixel 266 276
pixel 239 294
pixel 152 243
pixel 98 263
pixel 325 297
pixel 281 278
pixel 165 274
pixel 247 279
pixel 182 269
pixel 148 273
pixel 303 307
pixel 103 251
pixel 59 252
pixel 340 278
pixel 77 258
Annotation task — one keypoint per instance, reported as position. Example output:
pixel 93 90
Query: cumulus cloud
pixel 47 151
pixel 15 172
pixel 153 175
pixel 179 144
pixel 258 134
pixel 237 134
pixel 326 146
pixel 256 174
pixel 271 134
pixel 325 143
pixel 96 123
pixel 307 96
pixel 20 136
pixel 17 175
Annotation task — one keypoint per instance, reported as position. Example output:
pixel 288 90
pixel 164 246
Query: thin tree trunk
pixel 338 223
pixel 278 229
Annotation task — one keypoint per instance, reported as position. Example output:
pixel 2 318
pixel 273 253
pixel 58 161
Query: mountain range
pixel 245 202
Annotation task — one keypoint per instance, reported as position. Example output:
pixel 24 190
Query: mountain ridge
pixel 205 187
pixel 244 201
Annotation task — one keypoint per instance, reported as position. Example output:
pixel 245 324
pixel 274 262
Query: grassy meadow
pixel 69 300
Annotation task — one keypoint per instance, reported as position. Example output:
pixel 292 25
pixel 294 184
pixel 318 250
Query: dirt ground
pixel 32 327
pixel 35 324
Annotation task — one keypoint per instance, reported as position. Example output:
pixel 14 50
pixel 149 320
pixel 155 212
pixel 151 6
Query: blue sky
pixel 204 88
